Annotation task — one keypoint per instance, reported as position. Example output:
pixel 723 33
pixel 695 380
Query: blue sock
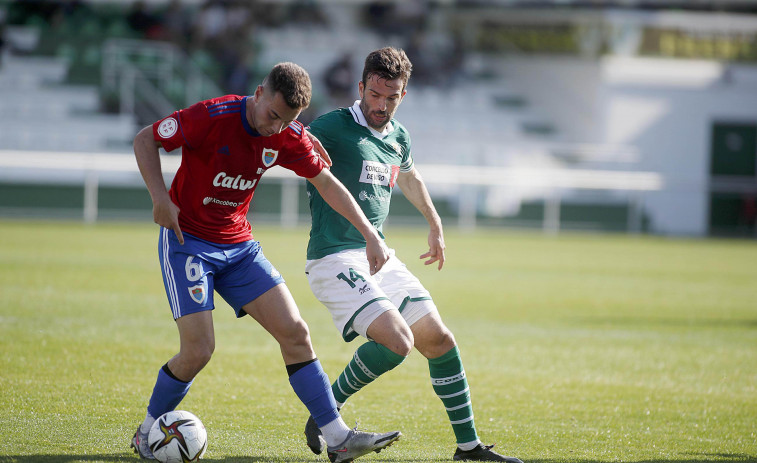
pixel 167 393
pixel 312 386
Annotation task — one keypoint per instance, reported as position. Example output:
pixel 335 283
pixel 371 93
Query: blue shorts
pixel 239 272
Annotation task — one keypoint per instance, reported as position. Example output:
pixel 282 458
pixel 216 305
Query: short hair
pixel 293 82
pixel 388 63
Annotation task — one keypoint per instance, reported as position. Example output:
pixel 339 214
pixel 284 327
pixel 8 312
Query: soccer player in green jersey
pixel 371 154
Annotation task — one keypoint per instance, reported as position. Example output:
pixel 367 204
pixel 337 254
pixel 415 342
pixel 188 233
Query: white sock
pixel 335 432
pixel 466 446
pixel 144 428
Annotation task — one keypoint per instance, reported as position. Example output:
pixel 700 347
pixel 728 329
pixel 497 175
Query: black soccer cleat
pixel 314 436
pixel 482 453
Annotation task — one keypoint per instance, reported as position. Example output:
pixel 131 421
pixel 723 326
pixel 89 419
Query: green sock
pixel 450 385
pixel 370 361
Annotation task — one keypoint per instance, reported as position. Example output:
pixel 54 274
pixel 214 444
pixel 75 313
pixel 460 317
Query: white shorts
pixel 355 298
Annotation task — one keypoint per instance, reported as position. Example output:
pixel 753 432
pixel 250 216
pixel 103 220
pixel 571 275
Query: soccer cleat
pixel 314 437
pixel 482 453
pixel 139 444
pixel 359 443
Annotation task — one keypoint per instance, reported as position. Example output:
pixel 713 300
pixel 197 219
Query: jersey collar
pixel 359 117
pixel 245 123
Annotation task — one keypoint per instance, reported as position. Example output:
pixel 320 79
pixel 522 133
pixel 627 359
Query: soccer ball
pixel 177 437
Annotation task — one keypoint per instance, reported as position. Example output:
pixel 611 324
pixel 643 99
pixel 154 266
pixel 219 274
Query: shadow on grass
pixel 691 458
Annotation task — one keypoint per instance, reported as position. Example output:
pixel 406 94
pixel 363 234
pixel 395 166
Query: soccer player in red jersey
pixel 206 242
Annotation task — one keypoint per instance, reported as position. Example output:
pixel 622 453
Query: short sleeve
pixel 186 127
pixel 407 156
pixel 300 157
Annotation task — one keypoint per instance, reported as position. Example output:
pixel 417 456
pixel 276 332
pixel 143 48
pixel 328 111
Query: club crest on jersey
pixel 168 127
pixel 269 157
pixel 197 293
pixel 396 147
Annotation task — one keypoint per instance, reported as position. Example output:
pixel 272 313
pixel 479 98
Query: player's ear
pixel 360 89
pixel 258 92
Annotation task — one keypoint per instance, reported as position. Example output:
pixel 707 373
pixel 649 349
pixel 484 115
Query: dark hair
pixel 388 63
pixel 292 82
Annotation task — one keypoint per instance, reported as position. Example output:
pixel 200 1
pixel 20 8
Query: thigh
pixel 187 274
pixel 196 330
pixel 277 312
pixel 343 284
pixel 247 276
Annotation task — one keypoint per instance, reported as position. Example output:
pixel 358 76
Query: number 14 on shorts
pixel 352 280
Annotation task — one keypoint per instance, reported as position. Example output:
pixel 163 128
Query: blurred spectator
pixel 2 35
pixel 341 81
pixel 210 24
pixel 142 21
pixel 240 75
pixel 307 13
pixel 748 211
pixel 411 15
pixel 177 23
pixel 423 58
pixel 401 19
pixel 378 15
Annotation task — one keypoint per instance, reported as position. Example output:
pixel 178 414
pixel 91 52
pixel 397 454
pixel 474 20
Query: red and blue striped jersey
pixel 222 161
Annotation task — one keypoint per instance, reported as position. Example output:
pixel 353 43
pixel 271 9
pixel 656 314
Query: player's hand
pixel 166 214
pixel 377 254
pixel 318 147
pixel 435 249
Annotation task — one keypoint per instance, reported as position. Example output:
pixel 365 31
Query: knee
pixel 435 343
pixel 194 358
pixel 203 354
pixel 402 343
pixel 446 340
pixel 297 334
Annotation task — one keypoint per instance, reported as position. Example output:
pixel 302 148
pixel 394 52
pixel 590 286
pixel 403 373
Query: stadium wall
pixel 666 108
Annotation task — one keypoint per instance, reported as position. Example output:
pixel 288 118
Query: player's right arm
pixel 164 211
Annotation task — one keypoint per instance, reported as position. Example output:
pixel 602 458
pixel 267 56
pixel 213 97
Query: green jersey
pixel 367 165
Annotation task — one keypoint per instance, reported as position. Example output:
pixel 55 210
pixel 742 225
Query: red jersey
pixel 222 161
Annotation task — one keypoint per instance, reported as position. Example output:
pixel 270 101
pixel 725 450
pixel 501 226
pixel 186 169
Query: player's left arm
pixel 412 186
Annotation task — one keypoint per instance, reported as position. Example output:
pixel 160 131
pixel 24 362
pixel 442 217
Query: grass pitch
pixel 578 348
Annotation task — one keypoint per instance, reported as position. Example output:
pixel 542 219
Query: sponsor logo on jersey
pixel 168 127
pixel 234 183
pixel 363 141
pixel 224 150
pixel 220 202
pixel 197 293
pixel 378 173
pixel 365 196
pixel 269 157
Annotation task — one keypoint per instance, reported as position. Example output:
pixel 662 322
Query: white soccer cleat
pixel 139 444
pixel 359 443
